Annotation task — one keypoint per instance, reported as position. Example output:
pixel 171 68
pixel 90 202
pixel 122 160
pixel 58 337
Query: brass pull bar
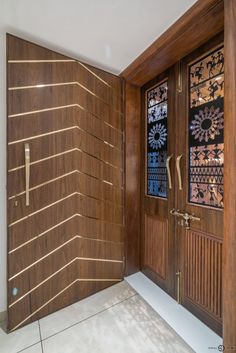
pixel 168 171
pixel 178 159
pixel 27 173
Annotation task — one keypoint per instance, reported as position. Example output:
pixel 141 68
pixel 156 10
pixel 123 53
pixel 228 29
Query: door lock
pixel 185 216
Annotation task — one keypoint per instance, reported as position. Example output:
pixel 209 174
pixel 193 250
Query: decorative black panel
pixel 206 131
pixel 157 140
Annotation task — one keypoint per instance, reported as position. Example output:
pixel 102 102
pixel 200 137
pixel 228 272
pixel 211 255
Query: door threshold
pixel 195 333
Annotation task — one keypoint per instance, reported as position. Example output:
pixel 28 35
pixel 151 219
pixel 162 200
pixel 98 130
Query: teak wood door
pixel 158 195
pixel 182 229
pixel 201 144
pixel 65 181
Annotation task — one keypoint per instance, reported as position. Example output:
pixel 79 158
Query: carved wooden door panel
pixel 158 240
pixel 200 188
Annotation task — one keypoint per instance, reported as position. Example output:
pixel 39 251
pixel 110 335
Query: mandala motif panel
pixel 206 131
pixel 157 140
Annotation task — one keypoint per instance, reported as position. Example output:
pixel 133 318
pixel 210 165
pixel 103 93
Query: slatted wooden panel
pixel 68 243
pixel 156 245
pixel 203 274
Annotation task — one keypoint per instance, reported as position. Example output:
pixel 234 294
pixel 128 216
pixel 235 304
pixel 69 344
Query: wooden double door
pixel 182 189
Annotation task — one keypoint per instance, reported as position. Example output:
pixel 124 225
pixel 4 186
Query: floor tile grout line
pixel 40 335
pixel 89 317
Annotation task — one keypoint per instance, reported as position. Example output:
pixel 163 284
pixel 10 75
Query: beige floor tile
pixel 129 327
pixel 19 339
pixel 85 308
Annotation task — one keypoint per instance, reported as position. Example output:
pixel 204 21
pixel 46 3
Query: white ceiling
pixel 107 33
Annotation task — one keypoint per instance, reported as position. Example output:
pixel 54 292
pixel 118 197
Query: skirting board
pixel 193 331
pixel 3 316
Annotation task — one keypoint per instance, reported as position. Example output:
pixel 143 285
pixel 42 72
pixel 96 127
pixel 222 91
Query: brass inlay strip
pixel 45 304
pixel 41 61
pixel 53 275
pixel 59 61
pixel 55 226
pixel 56 202
pixel 41 283
pixel 44 110
pixel 64 107
pixel 42 209
pixel 61 177
pixel 62 153
pixel 59 293
pixel 42 258
pixel 43 233
pixel 93 73
pixel 72 83
pixel 60 131
pixel 55 250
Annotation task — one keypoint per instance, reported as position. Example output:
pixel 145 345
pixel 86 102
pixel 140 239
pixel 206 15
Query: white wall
pixel 107 33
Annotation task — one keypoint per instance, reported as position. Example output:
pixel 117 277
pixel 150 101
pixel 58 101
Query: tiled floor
pixel 115 320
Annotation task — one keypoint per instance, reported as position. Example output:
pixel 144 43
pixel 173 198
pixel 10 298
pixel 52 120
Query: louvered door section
pixel 67 117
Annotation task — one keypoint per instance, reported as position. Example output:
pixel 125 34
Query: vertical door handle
pixel 178 159
pixel 168 171
pixel 27 173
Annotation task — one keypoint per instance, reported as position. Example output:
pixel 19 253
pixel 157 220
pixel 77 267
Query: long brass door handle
pixel 27 173
pixel 168 171
pixel 178 159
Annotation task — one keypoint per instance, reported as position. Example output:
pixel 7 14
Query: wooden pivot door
pixel 65 181
pixel 200 144
pixel 158 194
pixel 183 181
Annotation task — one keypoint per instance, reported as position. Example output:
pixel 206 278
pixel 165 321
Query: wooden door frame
pixel 200 23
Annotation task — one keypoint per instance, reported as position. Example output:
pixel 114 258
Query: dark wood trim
pixel 200 23
pixel 229 258
pixel 132 177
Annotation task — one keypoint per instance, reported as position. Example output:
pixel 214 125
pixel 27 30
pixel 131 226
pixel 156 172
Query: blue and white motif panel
pixel 157 140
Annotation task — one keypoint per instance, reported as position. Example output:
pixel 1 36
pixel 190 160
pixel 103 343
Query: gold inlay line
pixel 62 153
pixel 45 183
pixel 64 107
pixel 45 110
pixel 59 61
pixel 72 83
pixel 60 200
pixel 42 258
pixel 41 307
pixel 61 177
pixel 41 61
pixel 44 159
pixel 93 73
pixel 63 130
pixel 43 208
pixel 50 229
pixel 41 283
pixel 43 233
pixel 59 293
pixel 55 250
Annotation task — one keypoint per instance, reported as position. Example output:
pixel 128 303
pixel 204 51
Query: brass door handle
pixel 168 171
pixel 178 159
pixel 27 173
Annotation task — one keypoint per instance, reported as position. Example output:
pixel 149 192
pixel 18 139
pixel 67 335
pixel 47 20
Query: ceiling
pixel 109 34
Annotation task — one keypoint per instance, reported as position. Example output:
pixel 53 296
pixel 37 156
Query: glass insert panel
pixel 157 140
pixel 206 131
